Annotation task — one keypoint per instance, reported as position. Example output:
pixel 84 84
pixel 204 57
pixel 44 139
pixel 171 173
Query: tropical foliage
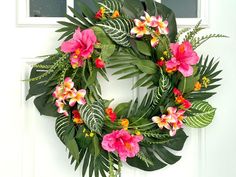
pixel 137 39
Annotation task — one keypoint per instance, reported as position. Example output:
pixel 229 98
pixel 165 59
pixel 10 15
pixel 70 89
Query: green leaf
pixel 107 51
pixel 118 30
pixel 96 146
pixel 143 47
pixel 86 12
pixel 61 126
pixel 73 148
pixel 44 104
pixel 138 163
pixel 146 66
pixel 122 109
pixel 92 78
pixel 203 117
pixel 93 115
pixel 162 91
pixel 166 155
pixel 186 84
pixel 102 37
pixel 111 5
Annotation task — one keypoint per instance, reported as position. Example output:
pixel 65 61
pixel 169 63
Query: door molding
pixel 23 18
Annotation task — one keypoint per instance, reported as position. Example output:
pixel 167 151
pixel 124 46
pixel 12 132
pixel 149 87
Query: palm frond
pixel 207 70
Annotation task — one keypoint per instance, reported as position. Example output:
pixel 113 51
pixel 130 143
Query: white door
pixel 29 145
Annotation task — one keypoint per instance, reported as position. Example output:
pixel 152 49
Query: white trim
pixel 23 18
pixel 202 15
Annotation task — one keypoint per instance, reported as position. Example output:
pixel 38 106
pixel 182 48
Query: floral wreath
pixel 138 39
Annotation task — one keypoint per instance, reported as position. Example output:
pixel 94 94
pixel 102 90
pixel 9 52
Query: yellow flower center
pixel 77 52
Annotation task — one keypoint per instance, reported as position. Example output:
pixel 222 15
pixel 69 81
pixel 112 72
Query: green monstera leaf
pixel 202 114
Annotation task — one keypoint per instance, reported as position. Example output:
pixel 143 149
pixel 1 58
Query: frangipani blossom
pixel 149 20
pixel 140 29
pixel 162 26
pixel 64 90
pixel 125 144
pixel 172 121
pixel 80 47
pixel 162 121
pixel 78 98
pixel 154 41
pixel 60 106
pixel 183 58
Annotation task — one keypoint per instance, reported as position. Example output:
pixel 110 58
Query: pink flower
pixel 121 141
pixel 81 46
pixel 183 58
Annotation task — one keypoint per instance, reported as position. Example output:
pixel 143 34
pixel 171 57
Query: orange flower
pixel 179 99
pixel 112 115
pixel 115 14
pixel 171 70
pixel 108 111
pixel 197 86
pixel 77 118
pixel 125 123
pixel 100 13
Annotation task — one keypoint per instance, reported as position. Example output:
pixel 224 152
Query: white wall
pixel 220 140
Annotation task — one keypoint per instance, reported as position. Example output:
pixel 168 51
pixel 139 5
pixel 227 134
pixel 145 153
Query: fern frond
pixel 47 72
pixel 191 34
pixel 155 134
pixel 181 32
pixel 144 158
pixel 196 42
pixel 40 66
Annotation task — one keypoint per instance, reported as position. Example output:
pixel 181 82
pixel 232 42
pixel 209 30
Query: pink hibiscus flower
pixel 121 141
pixel 183 58
pixel 81 46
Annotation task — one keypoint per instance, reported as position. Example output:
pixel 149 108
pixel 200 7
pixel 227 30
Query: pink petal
pixel 171 110
pixel 72 102
pixel 89 34
pixel 77 35
pixel 185 69
pixel 174 48
pixel 81 101
pixel 172 63
pixel 172 132
pixel 82 92
pixel 69 46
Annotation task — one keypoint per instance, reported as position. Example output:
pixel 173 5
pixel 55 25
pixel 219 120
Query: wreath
pixel 138 39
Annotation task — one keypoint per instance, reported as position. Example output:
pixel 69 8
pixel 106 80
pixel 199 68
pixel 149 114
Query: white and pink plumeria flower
pixel 172 121
pixel 66 92
pixel 150 25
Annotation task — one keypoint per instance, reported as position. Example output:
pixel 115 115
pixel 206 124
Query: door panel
pixel 29 145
